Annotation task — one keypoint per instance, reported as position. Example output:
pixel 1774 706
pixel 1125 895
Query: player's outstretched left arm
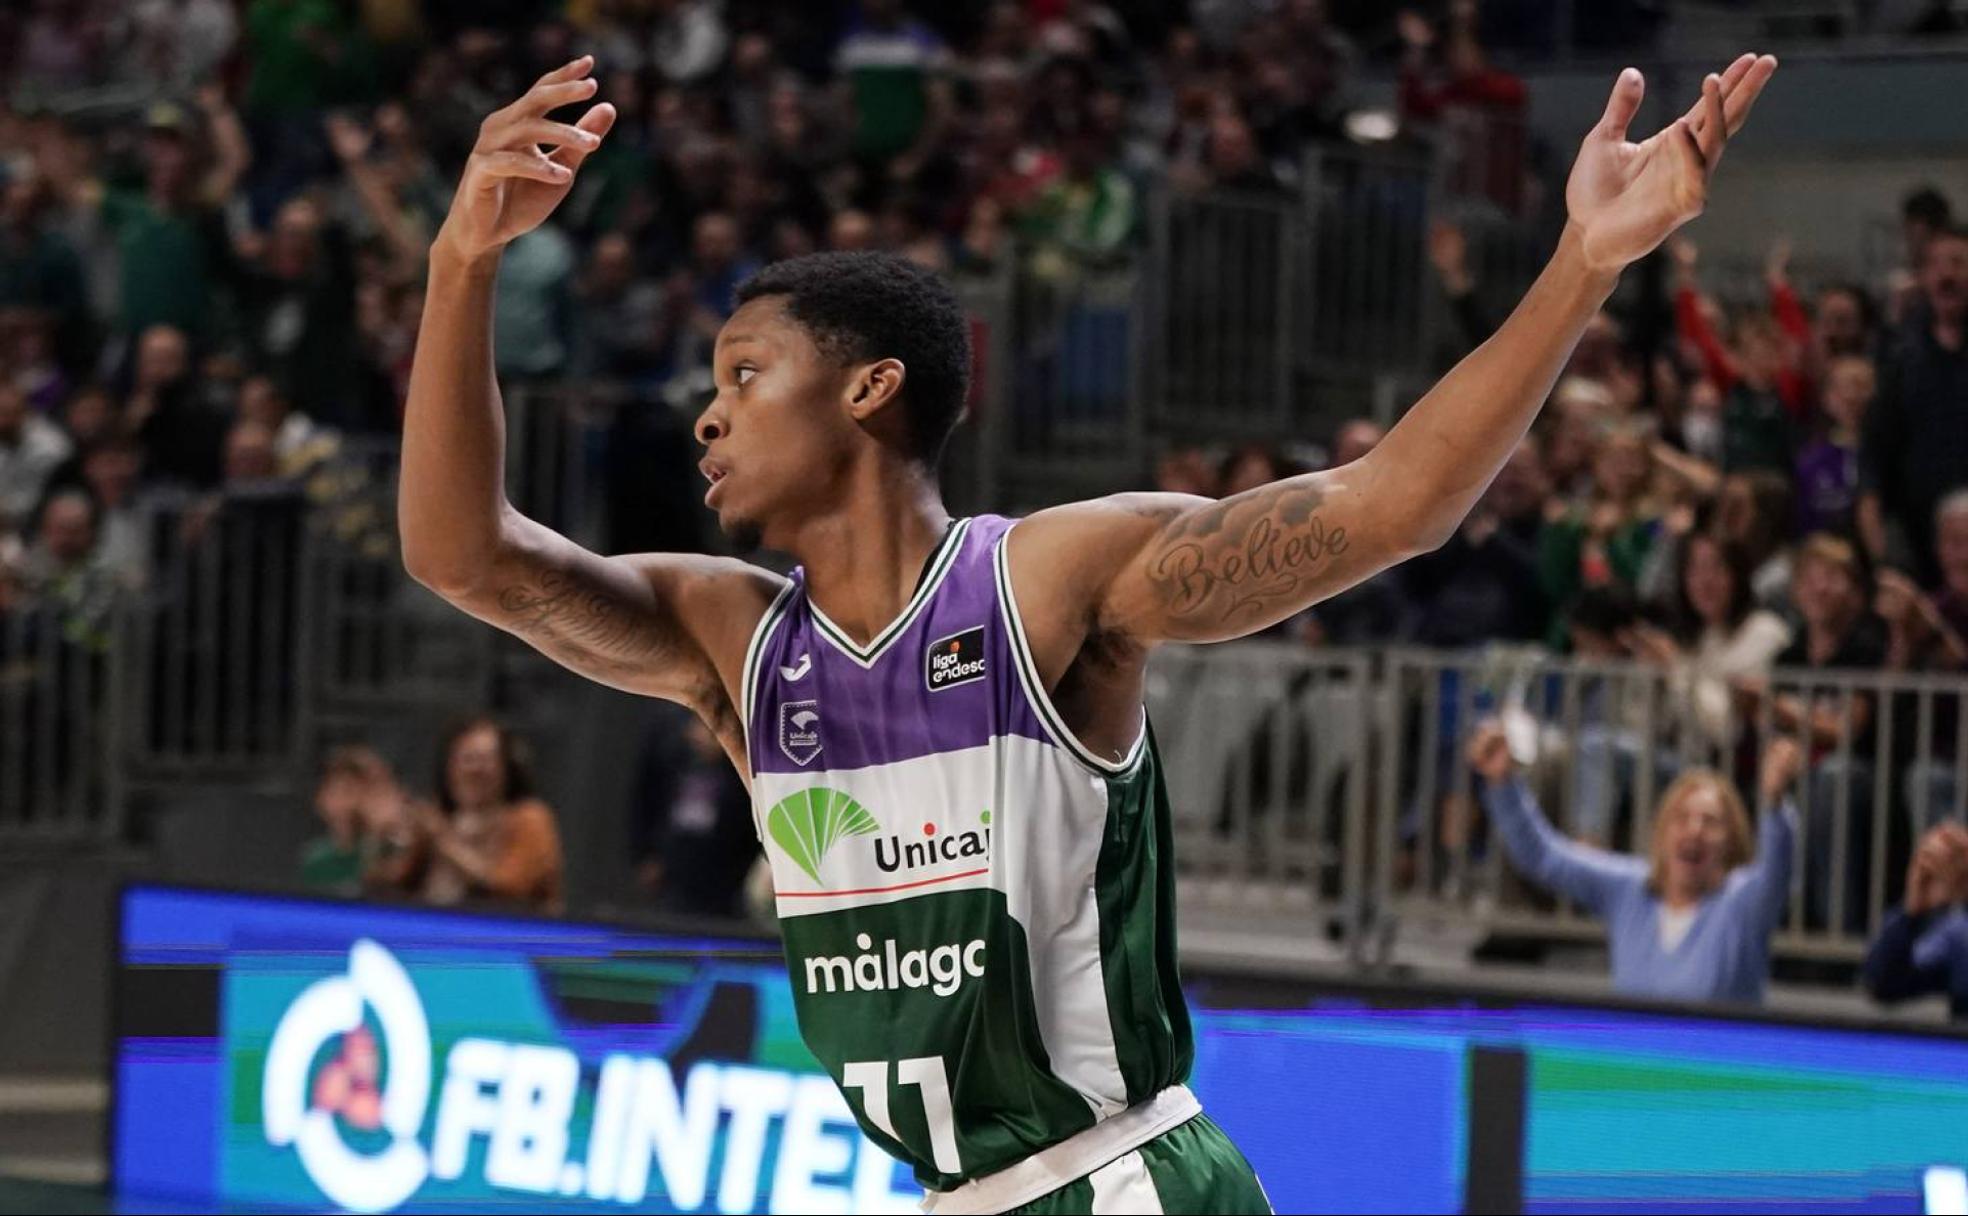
pixel 1160 567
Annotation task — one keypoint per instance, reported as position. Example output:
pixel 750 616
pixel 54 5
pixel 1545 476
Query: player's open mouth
pixel 715 474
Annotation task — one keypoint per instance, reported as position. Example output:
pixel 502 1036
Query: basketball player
pixel 941 719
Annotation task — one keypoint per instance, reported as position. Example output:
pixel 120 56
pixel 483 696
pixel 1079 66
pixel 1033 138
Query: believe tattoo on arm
pixel 1197 570
pixel 1230 563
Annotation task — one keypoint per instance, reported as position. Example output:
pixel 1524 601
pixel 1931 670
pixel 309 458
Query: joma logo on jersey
pixel 957 659
pixel 808 824
pixel 893 854
pixel 942 969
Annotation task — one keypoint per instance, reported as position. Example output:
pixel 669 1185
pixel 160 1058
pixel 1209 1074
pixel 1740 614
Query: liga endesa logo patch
pixel 957 659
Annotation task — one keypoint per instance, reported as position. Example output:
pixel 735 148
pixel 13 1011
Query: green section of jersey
pixel 929 1010
pixel 891 998
pixel 1135 888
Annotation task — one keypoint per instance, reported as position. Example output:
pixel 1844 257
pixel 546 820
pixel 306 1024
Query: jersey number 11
pixel 925 1073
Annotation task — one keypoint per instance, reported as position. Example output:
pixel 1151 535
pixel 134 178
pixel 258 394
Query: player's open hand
pixel 523 162
pixel 1627 197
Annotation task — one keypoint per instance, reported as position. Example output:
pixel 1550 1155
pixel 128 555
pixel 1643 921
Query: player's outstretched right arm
pixel 667 625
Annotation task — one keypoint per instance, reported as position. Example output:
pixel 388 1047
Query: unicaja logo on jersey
pixel 306 1107
pixel 895 854
pixel 809 823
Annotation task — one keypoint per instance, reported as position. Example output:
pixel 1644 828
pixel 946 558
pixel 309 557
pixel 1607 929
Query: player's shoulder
pixel 1101 522
pixel 731 581
pixel 718 600
pixel 1076 548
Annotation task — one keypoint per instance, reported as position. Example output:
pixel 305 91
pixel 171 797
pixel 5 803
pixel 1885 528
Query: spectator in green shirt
pixel 1083 217
pixel 895 70
pixel 171 247
pixel 1605 541
pixel 295 47
pixel 367 843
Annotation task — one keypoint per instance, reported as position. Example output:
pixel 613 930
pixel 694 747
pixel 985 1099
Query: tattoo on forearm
pixel 1211 568
pixel 559 613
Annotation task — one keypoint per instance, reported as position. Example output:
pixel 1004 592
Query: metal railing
pixel 216 688
pixel 1263 748
pixel 1223 328
pixel 1367 281
pixel 271 612
pixel 1320 786
pixel 59 716
pixel 1333 783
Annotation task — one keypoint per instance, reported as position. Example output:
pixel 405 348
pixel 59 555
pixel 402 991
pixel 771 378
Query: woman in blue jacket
pixel 1692 920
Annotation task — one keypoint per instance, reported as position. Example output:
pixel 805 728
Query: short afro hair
pixel 859 307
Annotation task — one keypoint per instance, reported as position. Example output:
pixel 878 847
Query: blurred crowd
pixel 1759 499
pixel 1773 480
pixel 213 213
pixel 213 217
pixel 481 833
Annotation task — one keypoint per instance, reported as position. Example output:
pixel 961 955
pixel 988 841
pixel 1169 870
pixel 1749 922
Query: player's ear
pixel 873 387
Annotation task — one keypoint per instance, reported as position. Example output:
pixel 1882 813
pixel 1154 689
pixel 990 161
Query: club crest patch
pixel 799 731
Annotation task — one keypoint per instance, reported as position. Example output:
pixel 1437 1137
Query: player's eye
pixel 745 373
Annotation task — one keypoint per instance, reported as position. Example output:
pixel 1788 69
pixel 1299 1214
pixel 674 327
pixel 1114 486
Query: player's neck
pixel 863 561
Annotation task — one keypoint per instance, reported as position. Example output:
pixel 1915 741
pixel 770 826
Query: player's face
pixel 777 435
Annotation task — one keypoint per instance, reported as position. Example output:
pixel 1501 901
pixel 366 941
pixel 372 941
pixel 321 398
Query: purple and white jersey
pixel 977 910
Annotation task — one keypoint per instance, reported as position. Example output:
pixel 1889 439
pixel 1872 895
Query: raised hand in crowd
pixel 1448 253
pixel 1489 753
pixel 1686 256
pixel 1776 263
pixel 1783 762
pixel 1937 877
pixel 1651 644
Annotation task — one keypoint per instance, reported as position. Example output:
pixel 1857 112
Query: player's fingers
pixel 536 131
pixel 1737 69
pixel 1747 90
pixel 562 86
pixel 1731 77
pixel 1628 90
pixel 573 69
pixel 595 122
pixel 1714 131
pixel 544 98
pixel 529 165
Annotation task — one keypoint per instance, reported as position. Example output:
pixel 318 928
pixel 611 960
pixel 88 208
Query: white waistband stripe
pixel 1069 1160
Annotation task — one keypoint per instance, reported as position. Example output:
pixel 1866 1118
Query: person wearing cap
pixel 170 238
